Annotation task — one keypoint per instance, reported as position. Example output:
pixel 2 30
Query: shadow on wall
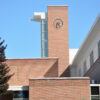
pixel 66 73
pixel 94 72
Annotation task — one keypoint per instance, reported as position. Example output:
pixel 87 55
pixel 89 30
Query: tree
pixel 4 69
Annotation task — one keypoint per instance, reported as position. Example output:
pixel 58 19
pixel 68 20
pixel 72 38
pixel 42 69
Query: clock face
pixel 58 23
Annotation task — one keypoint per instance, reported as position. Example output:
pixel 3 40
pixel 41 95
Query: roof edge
pixel 57 5
pixel 46 58
pixel 61 78
pixel 78 53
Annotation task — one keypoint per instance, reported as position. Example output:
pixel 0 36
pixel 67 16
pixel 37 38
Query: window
pixel 99 49
pixel 94 90
pixel 21 94
pixel 84 67
pixel 91 58
pixel 44 30
pixel 95 93
pixel 95 98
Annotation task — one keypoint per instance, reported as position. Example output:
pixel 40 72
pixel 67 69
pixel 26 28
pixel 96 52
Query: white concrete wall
pixel 72 53
pixel 90 45
pixel 93 47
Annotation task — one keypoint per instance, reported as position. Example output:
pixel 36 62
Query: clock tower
pixel 58 36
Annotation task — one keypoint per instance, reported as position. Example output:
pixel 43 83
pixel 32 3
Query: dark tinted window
pixel 85 67
pixel 21 94
pixel 95 90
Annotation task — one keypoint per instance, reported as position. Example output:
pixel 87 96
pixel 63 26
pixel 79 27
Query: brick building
pixel 44 78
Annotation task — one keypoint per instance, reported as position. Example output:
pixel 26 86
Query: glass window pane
pixel 91 58
pixel 94 90
pixel 26 94
pixel 21 94
pixel 44 38
pixel 95 98
pixel 84 67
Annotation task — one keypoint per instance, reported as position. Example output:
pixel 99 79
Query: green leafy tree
pixel 4 69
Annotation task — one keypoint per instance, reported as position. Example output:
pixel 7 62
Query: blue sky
pixel 23 36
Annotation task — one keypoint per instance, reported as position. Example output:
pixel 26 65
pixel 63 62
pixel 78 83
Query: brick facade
pixel 58 39
pixel 59 89
pixel 24 69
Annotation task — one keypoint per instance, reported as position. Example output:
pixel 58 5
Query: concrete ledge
pixel 13 88
pixel 61 78
pixel 57 5
pixel 44 58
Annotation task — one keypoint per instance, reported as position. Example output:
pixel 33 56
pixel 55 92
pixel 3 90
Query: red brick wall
pixel 58 39
pixel 24 69
pixel 59 89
